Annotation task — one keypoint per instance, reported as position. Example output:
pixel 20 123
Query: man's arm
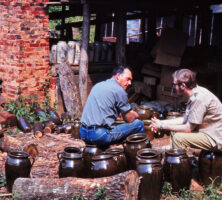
pixel 173 125
pixel 130 116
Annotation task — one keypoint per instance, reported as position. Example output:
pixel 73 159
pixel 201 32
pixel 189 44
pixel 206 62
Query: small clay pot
pixel 120 158
pixel 144 112
pixel 17 165
pixel 150 134
pixel 55 116
pixel 71 163
pixel 134 143
pixel 75 133
pixel 150 170
pixel 24 125
pixel 103 165
pixel 88 152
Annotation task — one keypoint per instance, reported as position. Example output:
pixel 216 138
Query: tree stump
pixel 122 186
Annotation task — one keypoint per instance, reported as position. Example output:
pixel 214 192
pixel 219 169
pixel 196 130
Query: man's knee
pixel 140 125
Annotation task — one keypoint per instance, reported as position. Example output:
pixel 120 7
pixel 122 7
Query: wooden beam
pixel 84 60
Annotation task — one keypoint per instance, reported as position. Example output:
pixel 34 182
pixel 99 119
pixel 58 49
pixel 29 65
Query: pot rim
pixel 102 157
pixel 176 152
pixel 115 151
pixel 18 154
pixel 148 150
pixel 141 136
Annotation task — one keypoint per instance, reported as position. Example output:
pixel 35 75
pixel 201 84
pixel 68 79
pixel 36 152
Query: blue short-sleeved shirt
pixel 105 102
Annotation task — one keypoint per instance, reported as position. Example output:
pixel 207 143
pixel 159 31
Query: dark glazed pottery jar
pixel 134 143
pixel 150 169
pixel 88 152
pixel 120 158
pixel 148 131
pixel 103 165
pixel 17 165
pixel 144 112
pixel 71 163
pixel 24 125
pixel 210 164
pixel 75 133
pixel 55 116
pixel 177 169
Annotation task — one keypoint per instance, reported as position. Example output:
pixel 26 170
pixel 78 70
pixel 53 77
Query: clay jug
pixel 150 134
pixel 120 158
pixel 55 116
pixel 210 167
pixel 177 169
pixel 144 112
pixel 103 165
pixel 134 143
pixel 71 163
pixel 75 133
pixel 150 169
pixel 88 152
pixel 17 165
pixel 24 125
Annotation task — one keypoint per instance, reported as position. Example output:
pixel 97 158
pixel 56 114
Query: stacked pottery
pixel 88 152
pixel 210 167
pixel 71 163
pixel 150 169
pixel 103 165
pixel 177 169
pixel 134 143
pixel 120 158
pixel 17 165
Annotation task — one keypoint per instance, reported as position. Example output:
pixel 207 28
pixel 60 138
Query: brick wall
pixel 24 47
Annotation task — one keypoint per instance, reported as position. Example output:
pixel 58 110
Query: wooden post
pixel 84 60
pixel 98 26
pixel 121 37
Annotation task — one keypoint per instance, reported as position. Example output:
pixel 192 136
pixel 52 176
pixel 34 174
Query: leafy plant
pixel 100 194
pixel 2 180
pixel 77 196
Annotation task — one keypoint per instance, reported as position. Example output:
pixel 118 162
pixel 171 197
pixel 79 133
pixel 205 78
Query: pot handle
pixel 33 160
pixel 59 156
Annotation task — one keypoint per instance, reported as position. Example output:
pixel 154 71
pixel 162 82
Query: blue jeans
pixel 104 136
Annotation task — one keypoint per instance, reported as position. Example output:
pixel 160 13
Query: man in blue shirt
pixel 105 102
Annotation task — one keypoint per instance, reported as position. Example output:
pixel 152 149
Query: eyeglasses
pixel 175 84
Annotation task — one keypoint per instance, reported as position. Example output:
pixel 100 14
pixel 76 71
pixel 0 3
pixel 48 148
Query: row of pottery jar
pixel 92 162
pixel 176 170
pixel 65 52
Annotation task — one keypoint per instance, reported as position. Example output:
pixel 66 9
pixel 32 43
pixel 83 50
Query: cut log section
pixel 9 144
pixel 122 186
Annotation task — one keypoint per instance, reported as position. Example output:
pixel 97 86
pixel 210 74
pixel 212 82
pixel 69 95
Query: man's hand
pixel 155 124
pixel 130 116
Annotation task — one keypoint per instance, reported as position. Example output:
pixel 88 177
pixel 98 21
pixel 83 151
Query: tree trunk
pixel 9 143
pixel 120 186
pixel 84 60
pixel 70 90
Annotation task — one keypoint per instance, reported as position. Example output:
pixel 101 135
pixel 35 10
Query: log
pixel 9 143
pixel 120 186
pixel 70 90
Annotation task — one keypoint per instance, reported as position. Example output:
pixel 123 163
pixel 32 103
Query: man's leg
pixel 123 130
pixel 182 140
